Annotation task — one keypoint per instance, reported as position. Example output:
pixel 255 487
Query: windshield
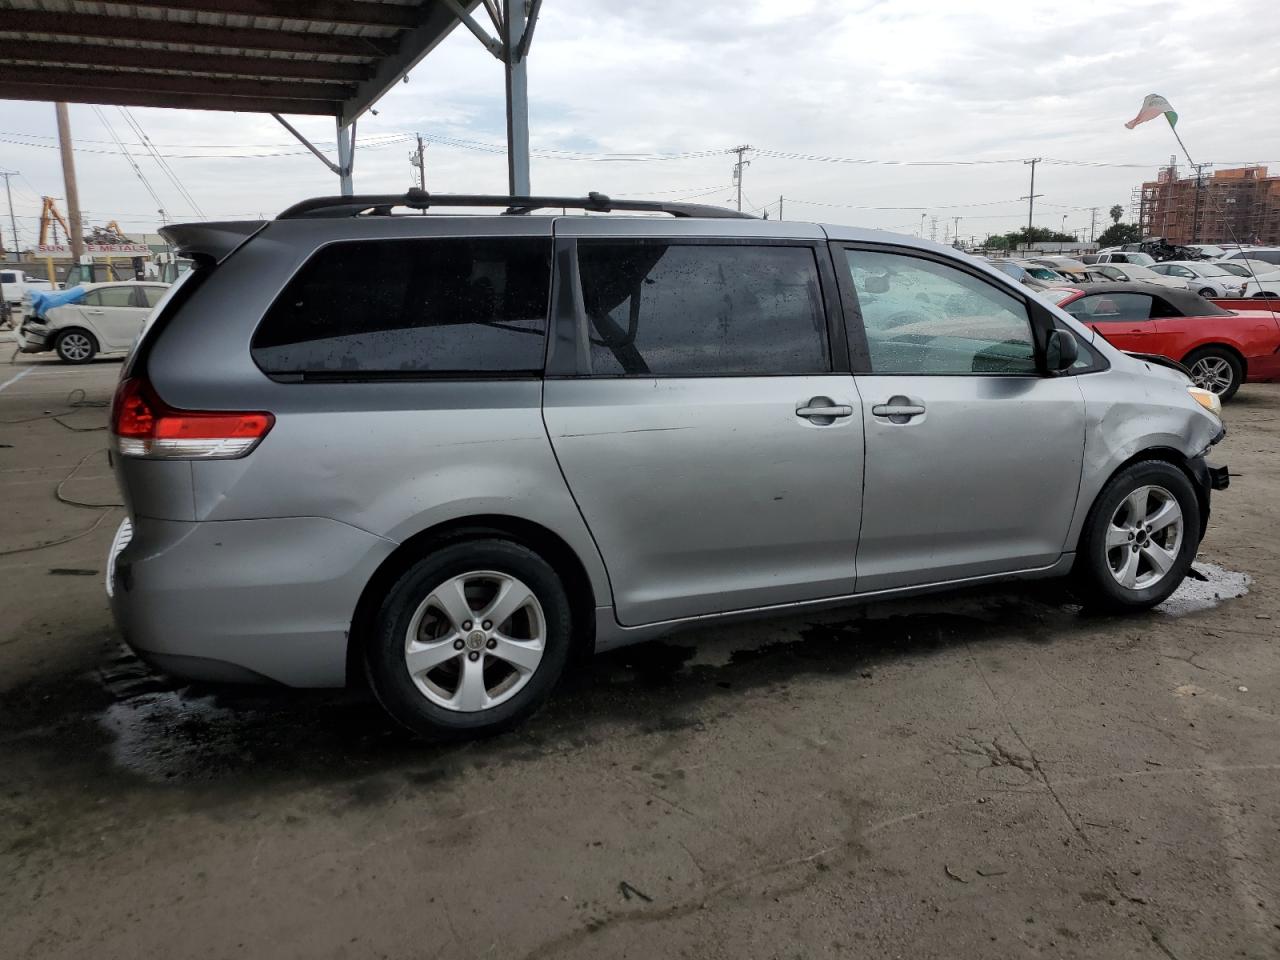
pixel 1043 273
pixel 1209 270
pixel 1141 259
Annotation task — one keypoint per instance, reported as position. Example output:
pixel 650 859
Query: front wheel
pixel 1139 539
pixel 1216 370
pixel 470 640
pixel 1208 292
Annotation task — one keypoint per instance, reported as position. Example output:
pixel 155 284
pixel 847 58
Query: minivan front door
pixel 973 458
pixel 702 427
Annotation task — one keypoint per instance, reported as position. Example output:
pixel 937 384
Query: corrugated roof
pixel 326 57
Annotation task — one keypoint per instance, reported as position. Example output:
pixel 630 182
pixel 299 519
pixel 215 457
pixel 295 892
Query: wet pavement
pixel 991 773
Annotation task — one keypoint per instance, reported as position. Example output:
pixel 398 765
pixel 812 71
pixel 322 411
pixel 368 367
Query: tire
pixel 1217 369
pixel 438 700
pixel 76 346
pixel 1207 292
pixel 1104 578
pixel 1265 295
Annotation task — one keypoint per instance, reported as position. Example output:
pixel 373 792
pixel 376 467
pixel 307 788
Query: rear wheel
pixel 75 346
pixel 1216 369
pixel 470 640
pixel 1139 539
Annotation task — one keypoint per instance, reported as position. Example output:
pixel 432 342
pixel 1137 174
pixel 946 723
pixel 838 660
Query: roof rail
pixel 415 199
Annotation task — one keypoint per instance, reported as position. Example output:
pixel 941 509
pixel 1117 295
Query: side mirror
pixel 1061 351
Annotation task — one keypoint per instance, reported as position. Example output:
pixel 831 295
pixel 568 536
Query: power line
pixel 163 164
pixel 102 118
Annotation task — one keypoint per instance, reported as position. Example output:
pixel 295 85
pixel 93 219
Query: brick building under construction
pixel 1236 205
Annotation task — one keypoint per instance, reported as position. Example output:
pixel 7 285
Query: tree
pixel 1119 233
pixel 1116 213
pixel 1011 241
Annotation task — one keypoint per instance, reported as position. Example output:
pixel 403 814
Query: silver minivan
pixel 368 441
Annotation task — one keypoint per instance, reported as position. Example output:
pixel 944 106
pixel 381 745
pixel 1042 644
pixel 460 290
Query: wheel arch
pixel 536 537
pixel 1163 454
pixel 61 332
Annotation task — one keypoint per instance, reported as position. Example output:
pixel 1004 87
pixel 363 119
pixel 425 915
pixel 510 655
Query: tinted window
pixel 1107 307
pixel 412 306
pixel 702 309
pixel 923 317
pixel 8 278
pixel 112 297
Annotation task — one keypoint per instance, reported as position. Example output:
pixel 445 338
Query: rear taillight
pixel 143 425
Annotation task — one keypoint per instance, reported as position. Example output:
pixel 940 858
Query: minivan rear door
pixel 699 402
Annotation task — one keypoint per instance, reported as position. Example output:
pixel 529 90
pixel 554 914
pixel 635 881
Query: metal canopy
pixel 324 57
pixel 321 57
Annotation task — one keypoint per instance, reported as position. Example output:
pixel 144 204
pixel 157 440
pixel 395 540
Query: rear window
pixel 422 306
pixel 695 309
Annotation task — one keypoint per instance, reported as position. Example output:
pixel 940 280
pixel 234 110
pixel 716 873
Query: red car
pixel 1222 348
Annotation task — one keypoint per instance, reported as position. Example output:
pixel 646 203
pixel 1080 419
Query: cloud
pixel 902 80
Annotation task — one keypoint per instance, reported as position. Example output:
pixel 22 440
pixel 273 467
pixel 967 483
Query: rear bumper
pixel 31 341
pixel 243 600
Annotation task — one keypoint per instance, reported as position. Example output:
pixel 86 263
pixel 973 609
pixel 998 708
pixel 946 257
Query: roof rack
pixel 381 204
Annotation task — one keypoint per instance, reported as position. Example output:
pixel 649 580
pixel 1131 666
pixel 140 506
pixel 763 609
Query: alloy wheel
pixel 1213 374
pixel 475 641
pixel 1144 538
pixel 75 346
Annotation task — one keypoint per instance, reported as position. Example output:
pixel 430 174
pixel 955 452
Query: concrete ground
pixel 991 774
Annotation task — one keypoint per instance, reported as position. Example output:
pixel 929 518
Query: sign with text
pixel 95 250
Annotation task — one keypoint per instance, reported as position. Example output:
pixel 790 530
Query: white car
pixel 105 322
pixel 1138 274
pixel 1268 254
pixel 1206 279
pixel 1264 285
pixel 1246 269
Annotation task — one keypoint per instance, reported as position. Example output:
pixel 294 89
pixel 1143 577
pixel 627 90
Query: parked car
pixel 1246 269
pixel 1071 270
pixel 1042 273
pixel 1267 254
pixel 1206 279
pixel 1207 251
pixel 104 322
pixel 1222 348
pixel 1132 273
pixel 445 452
pixel 15 284
pixel 1113 255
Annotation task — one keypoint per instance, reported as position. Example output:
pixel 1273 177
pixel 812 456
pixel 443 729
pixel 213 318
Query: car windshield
pixel 1043 273
pixel 1141 259
pixel 1209 270
pixel 1236 269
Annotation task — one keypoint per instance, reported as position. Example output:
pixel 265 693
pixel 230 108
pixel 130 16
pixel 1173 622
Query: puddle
pixel 1214 585
pixel 169 736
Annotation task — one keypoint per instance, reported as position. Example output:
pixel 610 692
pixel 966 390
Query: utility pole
pixel 922 219
pixel 957 220
pixel 1093 222
pixel 737 169
pixel 1031 197
pixel 779 206
pixel 76 239
pixel 933 229
pixel 416 159
pixel 13 223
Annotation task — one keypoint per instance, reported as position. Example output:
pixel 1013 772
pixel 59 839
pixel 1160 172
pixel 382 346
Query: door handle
pixel 898 409
pixel 823 410
pixel 832 411
pixel 95 313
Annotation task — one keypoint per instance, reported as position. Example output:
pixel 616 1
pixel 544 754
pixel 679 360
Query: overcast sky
pixel 904 80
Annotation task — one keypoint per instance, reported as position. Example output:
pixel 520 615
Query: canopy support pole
pixel 346 152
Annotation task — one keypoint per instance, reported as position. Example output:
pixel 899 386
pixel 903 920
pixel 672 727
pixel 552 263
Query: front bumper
pixel 242 600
